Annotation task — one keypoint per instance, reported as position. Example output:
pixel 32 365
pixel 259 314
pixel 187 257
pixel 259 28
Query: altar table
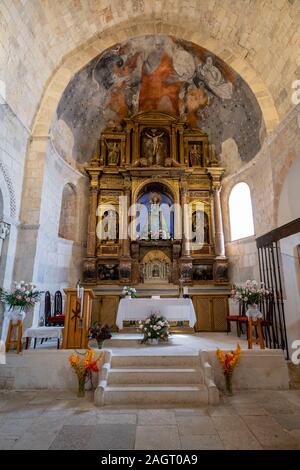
pixel 171 309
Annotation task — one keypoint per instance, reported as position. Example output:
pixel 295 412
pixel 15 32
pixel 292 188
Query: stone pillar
pixel 4 232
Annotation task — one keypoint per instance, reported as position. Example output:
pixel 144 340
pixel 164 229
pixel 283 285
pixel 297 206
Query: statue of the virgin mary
pixel 156 227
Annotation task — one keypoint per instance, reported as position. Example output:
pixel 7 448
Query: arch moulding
pixel 78 58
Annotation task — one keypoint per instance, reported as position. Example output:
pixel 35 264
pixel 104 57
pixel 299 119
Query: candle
pixel 81 301
pixel 185 290
pixel 78 291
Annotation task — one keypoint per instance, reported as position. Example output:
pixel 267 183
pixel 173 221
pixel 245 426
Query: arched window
pixel 240 212
pixel 68 213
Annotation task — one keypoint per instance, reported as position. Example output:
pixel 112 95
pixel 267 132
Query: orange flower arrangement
pixel 229 361
pixel 84 366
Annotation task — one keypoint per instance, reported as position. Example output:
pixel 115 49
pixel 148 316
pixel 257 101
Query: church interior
pixel 149 223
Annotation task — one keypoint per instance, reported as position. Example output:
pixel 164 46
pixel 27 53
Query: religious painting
pixel 160 73
pixel 203 272
pixel 154 147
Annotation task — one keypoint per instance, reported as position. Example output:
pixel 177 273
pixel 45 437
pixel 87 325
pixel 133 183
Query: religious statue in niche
pixel 155 148
pixel 109 226
pixel 214 80
pixel 200 227
pixel 113 153
pixel 195 155
pixel 156 227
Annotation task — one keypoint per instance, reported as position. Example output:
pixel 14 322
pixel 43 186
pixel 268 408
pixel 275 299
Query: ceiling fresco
pixel 157 73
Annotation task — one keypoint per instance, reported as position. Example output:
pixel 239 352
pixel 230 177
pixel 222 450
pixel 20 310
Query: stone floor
pixel 59 420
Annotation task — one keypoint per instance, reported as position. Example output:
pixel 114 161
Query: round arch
pixel 173 190
pixel 77 59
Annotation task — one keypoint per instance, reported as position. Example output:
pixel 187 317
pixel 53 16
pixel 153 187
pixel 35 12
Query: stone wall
pixel 265 175
pixel 13 142
pixel 38 35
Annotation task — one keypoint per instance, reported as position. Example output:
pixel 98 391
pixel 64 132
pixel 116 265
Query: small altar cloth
pixel 40 332
pixel 43 332
pixel 140 309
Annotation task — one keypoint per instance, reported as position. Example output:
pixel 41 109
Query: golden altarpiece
pixel 154 159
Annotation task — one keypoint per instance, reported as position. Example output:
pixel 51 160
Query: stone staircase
pixel 154 379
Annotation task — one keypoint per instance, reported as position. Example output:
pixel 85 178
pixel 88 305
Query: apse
pixel 161 73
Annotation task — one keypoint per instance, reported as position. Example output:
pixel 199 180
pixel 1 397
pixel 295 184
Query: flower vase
pixel 253 312
pixel 228 384
pixel 153 341
pixel 100 344
pixel 81 387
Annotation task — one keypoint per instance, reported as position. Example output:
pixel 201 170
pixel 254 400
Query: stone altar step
pixel 159 361
pixel 154 394
pixel 154 376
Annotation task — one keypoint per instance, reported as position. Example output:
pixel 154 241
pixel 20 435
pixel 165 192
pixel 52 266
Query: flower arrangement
pixel 23 296
pixel 251 293
pixel 129 291
pixel 84 366
pixel 99 333
pixel 155 327
pixel 229 361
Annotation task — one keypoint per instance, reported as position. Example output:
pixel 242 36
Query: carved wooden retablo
pixel 142 176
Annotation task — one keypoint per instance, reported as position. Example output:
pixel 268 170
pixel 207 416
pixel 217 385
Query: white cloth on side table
pixel 40 332
pixel 171 309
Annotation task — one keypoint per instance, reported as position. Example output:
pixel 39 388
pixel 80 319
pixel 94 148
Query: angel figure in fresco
pixel 213 78
pixel 113 153
pixel 154 147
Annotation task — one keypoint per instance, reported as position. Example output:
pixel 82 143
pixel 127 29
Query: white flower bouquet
pixel 129 291
pixel 155 327
pixel 23 296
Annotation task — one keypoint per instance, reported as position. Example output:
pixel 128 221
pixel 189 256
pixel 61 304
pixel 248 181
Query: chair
pixel 238 319
pixel 58 319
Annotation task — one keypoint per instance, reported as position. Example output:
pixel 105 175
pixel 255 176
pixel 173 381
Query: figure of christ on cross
pixel 154 137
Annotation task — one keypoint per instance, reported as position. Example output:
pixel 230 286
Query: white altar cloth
pixel 171 309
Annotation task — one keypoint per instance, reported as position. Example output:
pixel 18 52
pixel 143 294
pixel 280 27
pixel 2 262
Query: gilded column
pixel 216 174
pixel 93 205
pixel 185 220
pixel 126 241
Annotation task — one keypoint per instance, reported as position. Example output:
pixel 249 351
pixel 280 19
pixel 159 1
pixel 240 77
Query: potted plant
pixel 18 301
pixel 129 292
pixel 154 328
pixel 84 365
pixel 251 294
pixel 99 333
pixel 229 361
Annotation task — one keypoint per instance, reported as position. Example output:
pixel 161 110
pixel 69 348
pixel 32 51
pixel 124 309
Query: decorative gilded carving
pixel 154 151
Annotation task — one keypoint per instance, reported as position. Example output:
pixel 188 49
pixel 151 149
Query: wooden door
pixel 108 309
pixel 220 311
pixel 203 311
